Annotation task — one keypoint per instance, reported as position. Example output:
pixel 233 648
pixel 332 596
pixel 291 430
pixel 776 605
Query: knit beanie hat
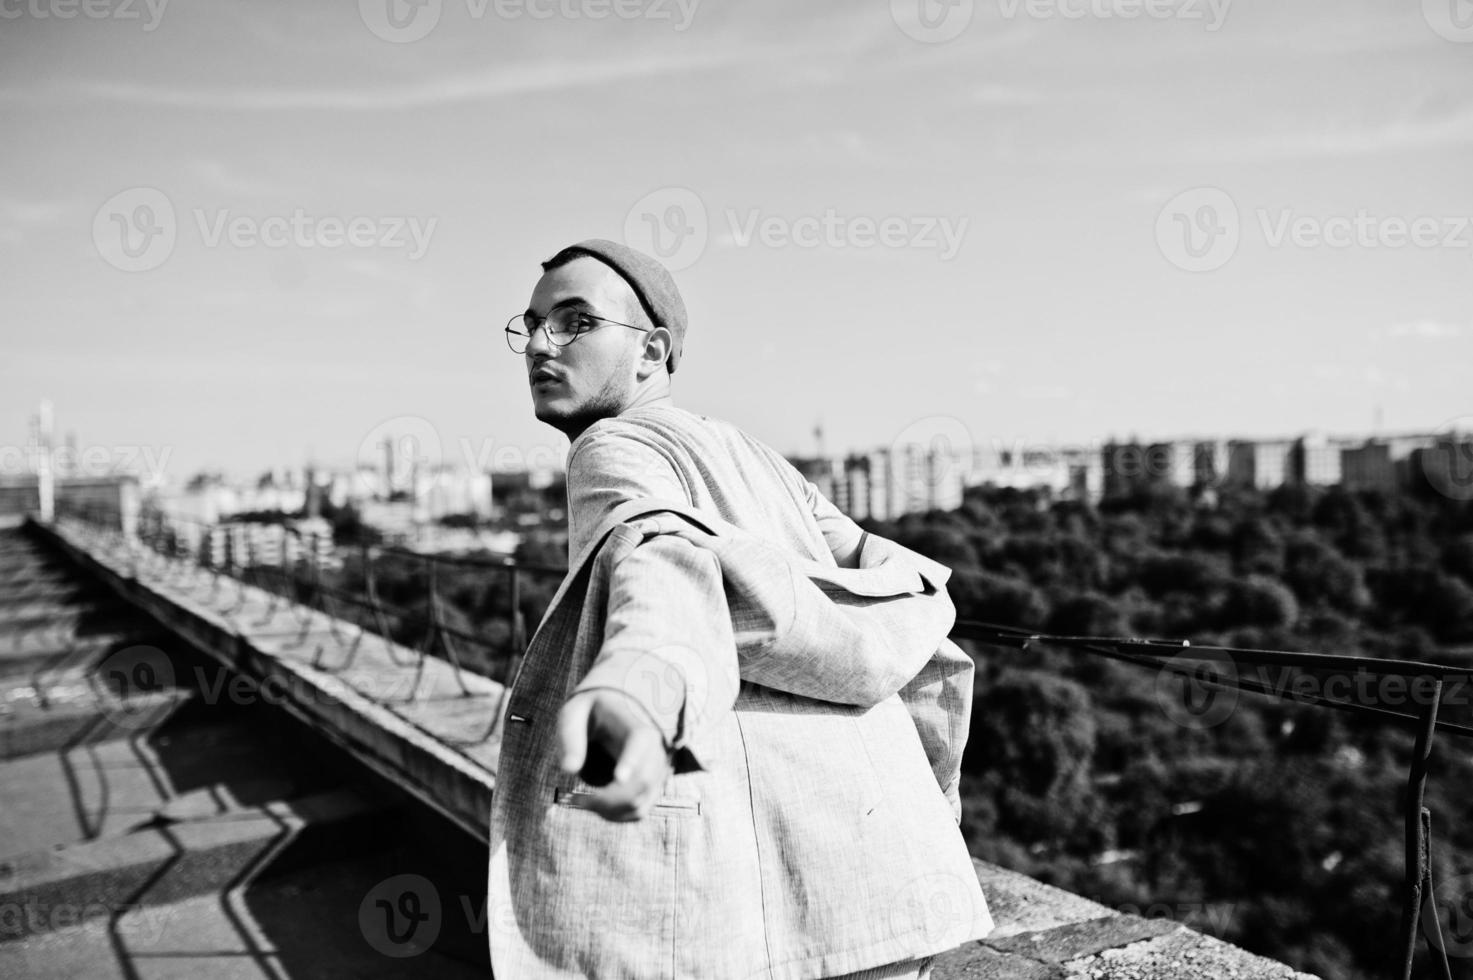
pixel 651 282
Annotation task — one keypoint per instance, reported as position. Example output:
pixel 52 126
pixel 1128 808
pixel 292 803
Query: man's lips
pixel 542 376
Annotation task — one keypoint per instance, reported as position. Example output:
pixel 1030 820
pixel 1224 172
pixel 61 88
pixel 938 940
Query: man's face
pixel 593 377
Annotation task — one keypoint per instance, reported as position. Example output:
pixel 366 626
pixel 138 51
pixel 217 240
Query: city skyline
pixel 1018 226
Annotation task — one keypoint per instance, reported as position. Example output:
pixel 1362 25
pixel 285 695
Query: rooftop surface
pixel 183 832
pixel 268 811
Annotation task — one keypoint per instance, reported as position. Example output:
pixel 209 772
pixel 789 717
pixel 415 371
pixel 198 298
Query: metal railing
pixel 1185 660
pixel 158 535
pixel 290 570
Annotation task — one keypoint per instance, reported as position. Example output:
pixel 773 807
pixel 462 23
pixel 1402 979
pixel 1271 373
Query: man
pixel 732 749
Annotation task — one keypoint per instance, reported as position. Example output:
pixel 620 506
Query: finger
pixel 642 760
pixel 572 733
pixel 632 757
pixel 632 797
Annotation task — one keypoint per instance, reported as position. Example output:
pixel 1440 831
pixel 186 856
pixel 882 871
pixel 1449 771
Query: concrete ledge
pixel 408 718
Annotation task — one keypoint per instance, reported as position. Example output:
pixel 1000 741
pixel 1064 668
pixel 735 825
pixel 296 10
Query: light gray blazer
pixel 819 715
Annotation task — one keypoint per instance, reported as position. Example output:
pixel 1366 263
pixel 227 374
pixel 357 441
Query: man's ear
pixel 655 353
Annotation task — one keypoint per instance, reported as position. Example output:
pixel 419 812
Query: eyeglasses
pixel 564 325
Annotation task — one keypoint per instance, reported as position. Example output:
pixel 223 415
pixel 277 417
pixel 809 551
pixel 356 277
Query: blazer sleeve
pixel 668 641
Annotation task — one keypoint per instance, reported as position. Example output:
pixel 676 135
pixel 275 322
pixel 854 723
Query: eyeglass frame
pixel 542 325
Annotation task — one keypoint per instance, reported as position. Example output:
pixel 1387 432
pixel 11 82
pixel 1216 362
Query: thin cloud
pixel 482 86
pixel 1426 330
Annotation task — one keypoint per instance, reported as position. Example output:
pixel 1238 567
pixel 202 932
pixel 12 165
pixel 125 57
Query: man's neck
pixel 650 396
pixel 645 396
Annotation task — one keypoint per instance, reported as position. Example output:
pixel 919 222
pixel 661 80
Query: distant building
pixel 1262 464
pixel 820 472
pixel 1124 469
pixel 1210 463
pixel 1172 463
pixel 867 482
pixel 927 479
pixel 1367 467
pixel 1314 461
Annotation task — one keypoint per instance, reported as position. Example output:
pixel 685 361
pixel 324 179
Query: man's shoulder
pixel 665 425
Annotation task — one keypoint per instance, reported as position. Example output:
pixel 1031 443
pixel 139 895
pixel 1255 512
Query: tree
pixel 1258 601
pixel 1031 743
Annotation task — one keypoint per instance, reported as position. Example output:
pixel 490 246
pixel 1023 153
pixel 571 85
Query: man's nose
pixel 537 344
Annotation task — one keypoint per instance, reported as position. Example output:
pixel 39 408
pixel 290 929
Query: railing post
pixel 1417 823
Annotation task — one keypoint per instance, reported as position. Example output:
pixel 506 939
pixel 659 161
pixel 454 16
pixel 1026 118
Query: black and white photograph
pixel 684 489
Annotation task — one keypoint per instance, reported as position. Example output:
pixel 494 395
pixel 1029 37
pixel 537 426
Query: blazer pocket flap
pixel 889 579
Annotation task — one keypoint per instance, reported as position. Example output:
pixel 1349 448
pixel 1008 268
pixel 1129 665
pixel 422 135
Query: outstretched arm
pixel 667 667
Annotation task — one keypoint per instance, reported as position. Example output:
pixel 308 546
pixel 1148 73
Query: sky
pixel 247 236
